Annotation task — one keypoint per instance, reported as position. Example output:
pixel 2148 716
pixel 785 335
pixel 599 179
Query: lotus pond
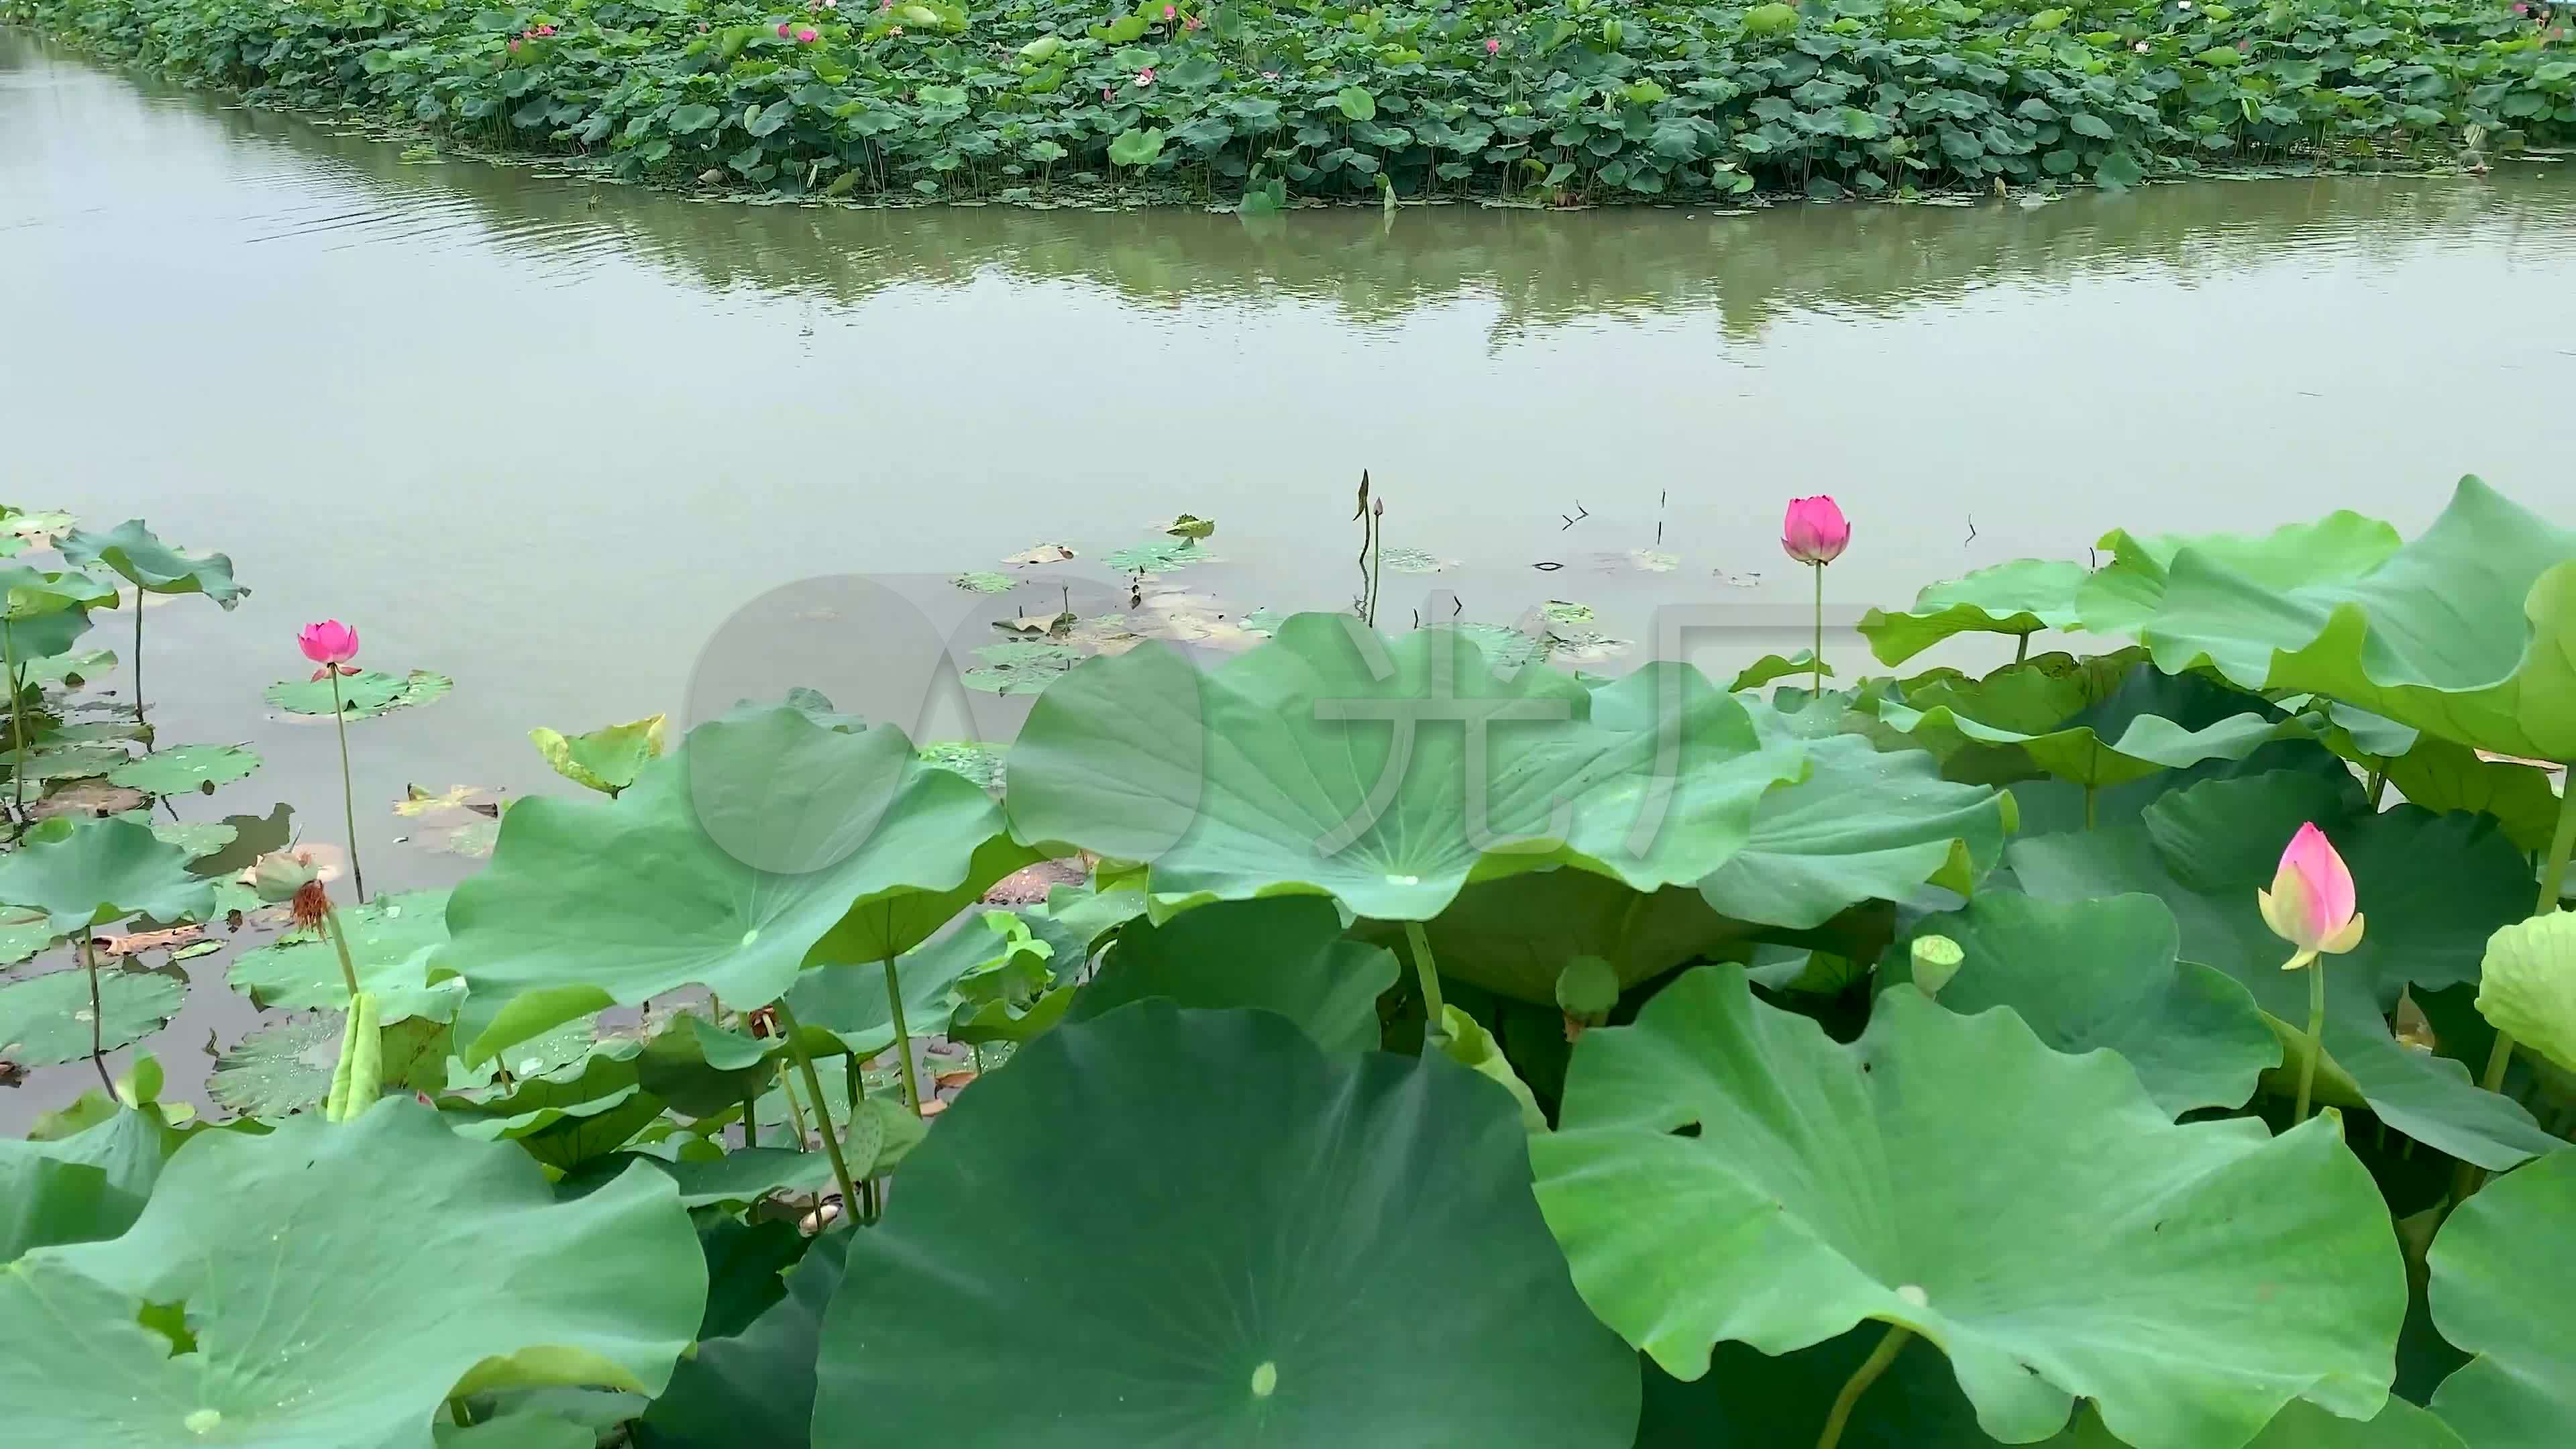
pixel 1252 105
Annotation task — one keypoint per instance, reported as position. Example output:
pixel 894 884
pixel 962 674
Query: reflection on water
pixel 547 435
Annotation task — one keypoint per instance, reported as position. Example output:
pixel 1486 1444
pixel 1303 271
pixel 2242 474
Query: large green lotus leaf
pixel 2103 974
pixel 45 1021
pixel 517 1431
pixel 2429 1098
pixel 391 943
pixel 2528 988
pixel 81 1188
pixel 1322 1250
pixel 1284 954
pixel 23 933
pixel 2021 597
pixel 35 593
pixel 185 768
pixel 755 1386
pixel 1514 936
pixel 1751 1398
pixel 605 759
pixel 745 1174
pixel 341 1281
pixel 1386 772
pixel 363 695
pixel 2036 1216
pixel 135 552
pixel 849 1001
pixel 2504 1288
pixel 1863 825
pixel 286 1066
pixel 100 871
pixel 2099 721
pixel 2443 775
pixel 765 844
pixel 2468 632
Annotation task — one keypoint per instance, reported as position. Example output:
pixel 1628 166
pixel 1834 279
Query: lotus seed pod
pixel 1587 988
pixel 1936 960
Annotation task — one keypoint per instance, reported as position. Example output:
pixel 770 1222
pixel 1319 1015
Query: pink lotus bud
pixel 329 642
pixel 1168 12
pixel 2310 904
pixel 514 44
pixel 1144 77
pixel 807 36
pixel 1190 22
pixel 1815 532
pixel 1493 46
pixel 783 30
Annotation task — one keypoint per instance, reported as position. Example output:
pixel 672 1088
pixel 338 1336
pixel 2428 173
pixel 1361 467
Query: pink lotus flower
pixel 1190 22
pixel 1144 77
pixel 1168 12
pixel 2310 904
pixel 1493 46
pixel 329 642
pixel 807 36
pixel 1815 531
pixel 1107 95
pixel 2522 10
pixel 783 30
pixel 514 45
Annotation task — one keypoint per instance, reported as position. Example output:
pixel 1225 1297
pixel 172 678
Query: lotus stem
pixel 97 1015
pixel 1818 654
pixel 1428 970
pixel 902 1041
pixel 2553 880
pixel 138 663
pixel 2377 784
pixel 2021 648
pixel 853 1081
pixel 1897 1337
pixel 348 794
pixel 2090 791
pixel 751 1118
pixel 2316 1038
pixel 17 722
pixel 340 938
pixel 796 1114
pixel 814 1087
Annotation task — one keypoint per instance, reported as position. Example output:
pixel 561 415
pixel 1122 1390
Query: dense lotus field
pixel 1252 104
pixel 2171 1044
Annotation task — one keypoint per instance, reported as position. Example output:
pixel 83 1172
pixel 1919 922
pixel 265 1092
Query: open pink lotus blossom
pixel 328 643
pixel 2310 904
pixel 1190 22
pixel 514 44
pixel 1169 12
pixel 1815 531
pixel 1144 77
pixel 1493 46
pixel 807 36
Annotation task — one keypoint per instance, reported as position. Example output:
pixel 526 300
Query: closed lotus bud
pixel 2311 902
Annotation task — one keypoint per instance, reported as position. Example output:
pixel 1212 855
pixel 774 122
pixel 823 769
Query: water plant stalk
pixel 814 1086
pixel 2021 648
pixel 1898 1335
pixel 339 935
pixel 138 658
pixel 902 1040
pixel 1428 971
pixel 2316 1038
pixel 348 793
pixel 2553 882
pixel 796 1114
pixel 1819 653
pixel 751 1118
pixel 97 1015
pixel 17 721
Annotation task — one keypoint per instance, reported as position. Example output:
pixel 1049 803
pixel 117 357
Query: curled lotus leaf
pixel 2021 598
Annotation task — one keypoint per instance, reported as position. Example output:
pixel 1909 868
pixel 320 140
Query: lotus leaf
pixel 2442 776
pixel 2020 598
pixel 2467 632
pixel 755 1385
pixel 1773 667
pixel 286 1066
pixel 363 695
pixel 745 1174
pixel 2504 1288
pixel 23 933
pixel 985 581
pixel 2096 722
pixel 2528 986
pixel 72 761
pixel 974 759
pixel 1514 936
pixel 390 939
pixel 185 768
pixel 98 871
pixel 475 1279
pixel 78 1189
pixel 1285 954
pixel 145 561
pixel 1387 773
pixel 62 668
pixel 517 1431
pixel 2103 974
pixel 2036 1216
pixel 1363 1263
pixel 766 844
pixel 606 759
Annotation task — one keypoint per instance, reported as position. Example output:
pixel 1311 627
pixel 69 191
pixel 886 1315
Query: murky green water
pixel 548 435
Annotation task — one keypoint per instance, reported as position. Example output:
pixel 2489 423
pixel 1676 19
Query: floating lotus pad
pixel 1340 1251
pixel 45 1020
pixel 363 695
pixel 475 1279
pixel 88 873
pixel 2035 1216
pixel 391 939
pixel 185 768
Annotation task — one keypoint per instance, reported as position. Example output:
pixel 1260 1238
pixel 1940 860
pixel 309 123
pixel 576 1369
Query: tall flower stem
pixel 1898 1335
pixel 902 1040
pixel 814 1089
pixel 1428 971
pixel 2316 1038
pixel 17 721
pixel 138 659
pixel 2021 648
pixel 751 1117
pixel 97 1015
pixel 339 935
pixel 1819 655
pixel 348 793
pixel 2553 880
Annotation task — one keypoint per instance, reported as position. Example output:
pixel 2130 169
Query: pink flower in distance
pixel 1190 22
pixel 1815 531
pixel 329 642
pixel 2310 904
pixel 1168 12
pixel 1144 77
pixel 784 30
pixel 1493 46
pixel 807 36
pixel 514 45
